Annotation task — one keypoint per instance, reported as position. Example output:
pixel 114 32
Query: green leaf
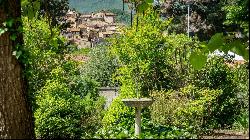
pixel 142 7
pixel 24 3
pixel 198 60
pixel 215 42
pixel 9 22
pixel 240 49
pixel 204 47
pixel 17 53
pixel 30 12
pixel 20 29
pixel 13 37
pixel 225 48
pixel 54 42
pixel 230 46
pixel 36 5
pixel 30 8
pixel 149 1
pixel 3 30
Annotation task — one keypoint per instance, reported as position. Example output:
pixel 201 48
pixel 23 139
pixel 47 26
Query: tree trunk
pixel 16 119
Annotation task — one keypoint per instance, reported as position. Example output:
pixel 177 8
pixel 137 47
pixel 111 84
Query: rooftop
pixel 74 29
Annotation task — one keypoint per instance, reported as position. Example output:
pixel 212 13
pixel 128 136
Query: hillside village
pixel 87 30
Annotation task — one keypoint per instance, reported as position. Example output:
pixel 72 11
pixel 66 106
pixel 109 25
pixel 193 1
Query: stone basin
pixel 138 102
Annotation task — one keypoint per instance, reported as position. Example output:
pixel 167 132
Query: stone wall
pixel 110 93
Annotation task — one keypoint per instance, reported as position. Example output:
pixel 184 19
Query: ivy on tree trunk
pixel 16 119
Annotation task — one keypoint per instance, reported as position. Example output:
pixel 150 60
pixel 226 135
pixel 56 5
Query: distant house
pixel 84 44
pixel 107 34
pixel 109 17
pixel 83 30
pixel 98 23
pixel 111 27
pixel 67 35
pixel 71 19
pixel 75 32
pixel 85 16
pixel 82 26
pixel 93 34
pixel 98 15
pixel 87 30
pixel 72 14
pixel 96 19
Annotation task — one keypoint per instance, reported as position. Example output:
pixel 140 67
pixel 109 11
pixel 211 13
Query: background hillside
pixel 86 6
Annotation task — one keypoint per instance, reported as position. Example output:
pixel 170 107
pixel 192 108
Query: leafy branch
pixel 219 42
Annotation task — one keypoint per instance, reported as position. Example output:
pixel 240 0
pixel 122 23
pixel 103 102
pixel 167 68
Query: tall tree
pixel 237 15
pixel 55 10
pixel 16 119
pixel 206 16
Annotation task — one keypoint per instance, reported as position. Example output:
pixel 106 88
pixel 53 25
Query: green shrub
pixel 100 67
pixel 68 105
pixel 153 130
pixel 146 52
pixel 242 121
pixel 187 109
pixel 218 75
pixel 42 52
pixel 82 51
pixel 124 127
pixel 241 76
pixel 145 57
pixel 121 129
pixel 65 104
pixel 62 114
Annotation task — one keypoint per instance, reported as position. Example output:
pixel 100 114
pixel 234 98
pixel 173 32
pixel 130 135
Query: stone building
pixel 87 30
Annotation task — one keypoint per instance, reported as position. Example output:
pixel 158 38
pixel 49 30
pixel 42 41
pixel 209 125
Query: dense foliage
pixel 42 52
pixel 101 66
pixel 54 10
pixel 218 75
pixel 172 108
pixel 206 16
pixel 65 104
pixel 237 14
pixel 146 60
pixel 205 104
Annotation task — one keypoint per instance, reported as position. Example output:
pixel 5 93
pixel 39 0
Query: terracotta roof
pixel 108 25
pixel 107 33
pixel 96 18
pixel 70 12
pixel 86 16
pixel 82 26
pixel 71 19
pixel 110 14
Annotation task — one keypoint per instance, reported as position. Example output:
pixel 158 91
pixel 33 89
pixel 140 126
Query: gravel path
pixel 227 134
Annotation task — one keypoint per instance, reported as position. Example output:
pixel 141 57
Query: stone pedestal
pixel 138 103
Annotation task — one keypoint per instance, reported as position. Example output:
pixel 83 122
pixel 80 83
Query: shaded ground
pixel 227 134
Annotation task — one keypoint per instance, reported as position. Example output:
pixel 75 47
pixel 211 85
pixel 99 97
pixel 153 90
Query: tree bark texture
pixel 16 119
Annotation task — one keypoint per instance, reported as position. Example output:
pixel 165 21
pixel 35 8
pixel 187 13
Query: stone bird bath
pixel 138 103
